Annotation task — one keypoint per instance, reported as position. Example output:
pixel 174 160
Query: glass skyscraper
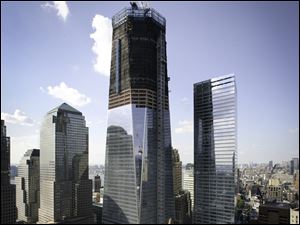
pixel 215 150
pixel 8 191
pixel 28 186
pixel 138 185
pixel 65 189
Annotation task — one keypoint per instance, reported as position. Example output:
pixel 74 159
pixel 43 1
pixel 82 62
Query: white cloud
pixel 102 43
pixel 184 99
pixel 18 117
pixel 70 95
pixel 42 90
pixel 294 130
pixel 61 7
pixel 186 126
pixel 19 145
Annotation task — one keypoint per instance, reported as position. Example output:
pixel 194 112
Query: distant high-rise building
pixel 296 180
pixel 270 165
pixel 65 189
pixel 8 191
pixel 294 165
pixel 183 207
pixel 97 183
pixel 138 181
pixel 189 166
pixel 28 186
pixel 215 150
pixel 188 183
pixel 177 171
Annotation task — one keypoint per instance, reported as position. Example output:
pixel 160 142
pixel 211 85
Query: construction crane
pixel 269 177
pixel 139 4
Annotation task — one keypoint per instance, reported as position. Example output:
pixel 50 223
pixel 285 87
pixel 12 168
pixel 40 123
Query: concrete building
pixel 8 191
pixel 274 191
pixel 64 184
pixel 177 171
pixel 183 207
pixel 97 183
pixel 274 213
pixel 28 186
pixel 294 216
pixel 188 183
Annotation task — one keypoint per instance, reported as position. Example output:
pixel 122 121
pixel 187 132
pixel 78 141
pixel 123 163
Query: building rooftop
pixel 137 12
pixel 32 152
pixel 277 205
pixel 65 107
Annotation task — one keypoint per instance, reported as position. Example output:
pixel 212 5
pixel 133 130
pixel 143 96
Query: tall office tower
pixel 182 198
pixel 8 191
pixel 294 165
pixel 97 183
pixel 65 189
pixel 177 171
pixel 183 207
pixel 215 150
pixel 28 186
pixel 138 186
pixel 270 165
pixel 188 183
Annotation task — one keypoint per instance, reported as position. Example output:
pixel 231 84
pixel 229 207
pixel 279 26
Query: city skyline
pixel 57 57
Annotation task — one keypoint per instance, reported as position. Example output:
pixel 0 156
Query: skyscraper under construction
pixel 138 185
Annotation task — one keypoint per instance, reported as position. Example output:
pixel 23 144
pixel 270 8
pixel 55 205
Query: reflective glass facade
pixel 28 186
pixel 8 191
pixel 138 185
pixel 64 183
pixel 215 150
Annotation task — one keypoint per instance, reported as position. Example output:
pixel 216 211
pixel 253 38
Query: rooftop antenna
pixel 134 4
pixel 144 4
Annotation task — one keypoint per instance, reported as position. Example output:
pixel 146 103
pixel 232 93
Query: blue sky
pixel 51 53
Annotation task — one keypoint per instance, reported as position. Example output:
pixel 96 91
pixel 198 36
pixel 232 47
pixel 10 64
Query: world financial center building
pixel 215 150
pixel 138 185
pixel 64 183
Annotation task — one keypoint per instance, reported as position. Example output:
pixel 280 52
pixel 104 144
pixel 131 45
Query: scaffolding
pixel 141 13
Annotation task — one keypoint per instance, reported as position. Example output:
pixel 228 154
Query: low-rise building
pixel 294 216
pixel 274 213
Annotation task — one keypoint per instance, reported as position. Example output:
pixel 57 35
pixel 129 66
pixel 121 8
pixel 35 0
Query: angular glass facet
pixel 138 186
